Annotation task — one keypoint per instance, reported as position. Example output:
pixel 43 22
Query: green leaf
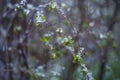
pixel 102 43
pixel 18 7
pixel 65 43
pixel 45 39
pixel 17 29
pixel 76 59
pixel 52 5
pixel 37 24
pixel 52 56
pixel 43 17
pixel 85 24
pixel 23 14
pixel 67 23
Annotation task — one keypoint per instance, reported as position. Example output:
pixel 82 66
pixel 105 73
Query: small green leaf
pixel 76 59
pixel 23 14
pixel 52 5
pixel 85 24
pixel 65 43
pixel 45 39
pixel 102 43
pixel 37 24
pixel 17 29
pixel 114 45
pixel 67 23
pixel 43 17
pixel 17 7
pixel 53 56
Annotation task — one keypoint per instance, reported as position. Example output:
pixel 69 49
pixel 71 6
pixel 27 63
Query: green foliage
pixel 17 29
pixel 79 74
pixel 112 68
pixel 102 43
pixel 45 39
pixel 54 78
pixel 85 24
pixel 66 41
pixel 53 56
pixel 17 7
pixel 39 19
pixel 76 59
pixel 67 22
pixel 95 69
pixel 37 24
pixel 23 14
pixel 43 17
pixel 104 38
pixel 52 5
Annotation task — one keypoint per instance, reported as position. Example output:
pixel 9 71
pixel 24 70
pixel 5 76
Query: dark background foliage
pixel 59 39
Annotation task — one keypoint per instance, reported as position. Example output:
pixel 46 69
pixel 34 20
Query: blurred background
pixel 59 39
